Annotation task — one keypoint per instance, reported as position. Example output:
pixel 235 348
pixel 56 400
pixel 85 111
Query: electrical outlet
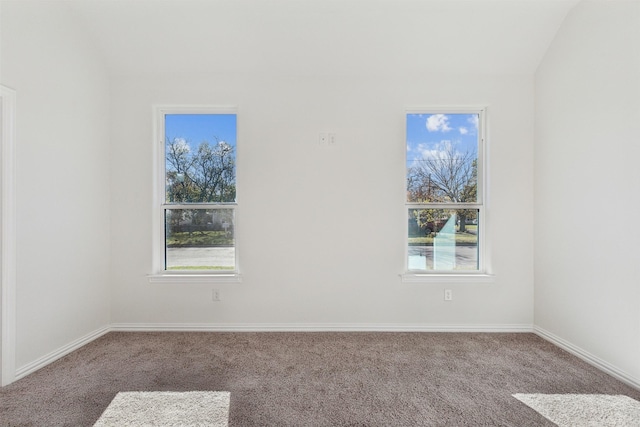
pixel 215 295
pixel 448 294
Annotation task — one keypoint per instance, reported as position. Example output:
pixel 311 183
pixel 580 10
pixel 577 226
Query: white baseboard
pixel 588 357
pixel 315 327
pixel 61 352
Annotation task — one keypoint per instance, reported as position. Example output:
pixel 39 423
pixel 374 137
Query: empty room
pixel 320 212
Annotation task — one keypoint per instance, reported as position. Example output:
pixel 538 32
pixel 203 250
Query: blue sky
pixel 195 128
pixel 429 134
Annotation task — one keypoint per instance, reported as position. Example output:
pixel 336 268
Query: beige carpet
pixel 192 408
pixel 585 410
pixel 337 379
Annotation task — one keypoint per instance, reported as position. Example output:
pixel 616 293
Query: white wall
pixel 320 231
pixel 62 177
pixel 587 234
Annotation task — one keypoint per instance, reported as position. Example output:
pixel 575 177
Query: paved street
pixel 200 256
pixel 466 257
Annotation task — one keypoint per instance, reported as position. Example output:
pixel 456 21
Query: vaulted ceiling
pixel 317 37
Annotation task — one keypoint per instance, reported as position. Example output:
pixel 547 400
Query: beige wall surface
pixel 320 231
pixel 62 177
pixel 587 288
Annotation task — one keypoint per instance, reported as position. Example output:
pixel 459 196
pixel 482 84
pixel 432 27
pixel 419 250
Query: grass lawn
pixel 199 238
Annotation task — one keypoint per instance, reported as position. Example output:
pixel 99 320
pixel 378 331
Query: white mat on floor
pixel 192 408
pixel 585 410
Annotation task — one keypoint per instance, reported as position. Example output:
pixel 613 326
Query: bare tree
pixel 202 176
pixel 446 175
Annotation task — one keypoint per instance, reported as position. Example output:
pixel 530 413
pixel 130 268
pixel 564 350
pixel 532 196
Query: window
pixel 195 207
pixel 444 184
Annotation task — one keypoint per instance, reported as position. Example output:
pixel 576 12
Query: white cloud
pixel 438 151
pixel 181 145
pixel 463 130
pixel 438 122
pixel 473 120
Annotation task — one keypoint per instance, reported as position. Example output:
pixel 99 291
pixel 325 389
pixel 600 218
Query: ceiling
pixel 319 37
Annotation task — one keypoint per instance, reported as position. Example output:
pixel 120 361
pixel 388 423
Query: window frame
pixel 160 206
pixel 483 273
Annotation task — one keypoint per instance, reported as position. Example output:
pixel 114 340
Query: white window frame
pixel 483 274
pixel 159 273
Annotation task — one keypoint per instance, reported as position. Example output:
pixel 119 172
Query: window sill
pixel 195 278
pixel 447 278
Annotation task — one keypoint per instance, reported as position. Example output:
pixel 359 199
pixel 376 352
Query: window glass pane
pixel 442 158
pixel 443 239
pixel 200 158
pixel 199 239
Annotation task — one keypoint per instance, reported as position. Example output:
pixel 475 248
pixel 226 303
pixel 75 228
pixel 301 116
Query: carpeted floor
pixel 314 379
